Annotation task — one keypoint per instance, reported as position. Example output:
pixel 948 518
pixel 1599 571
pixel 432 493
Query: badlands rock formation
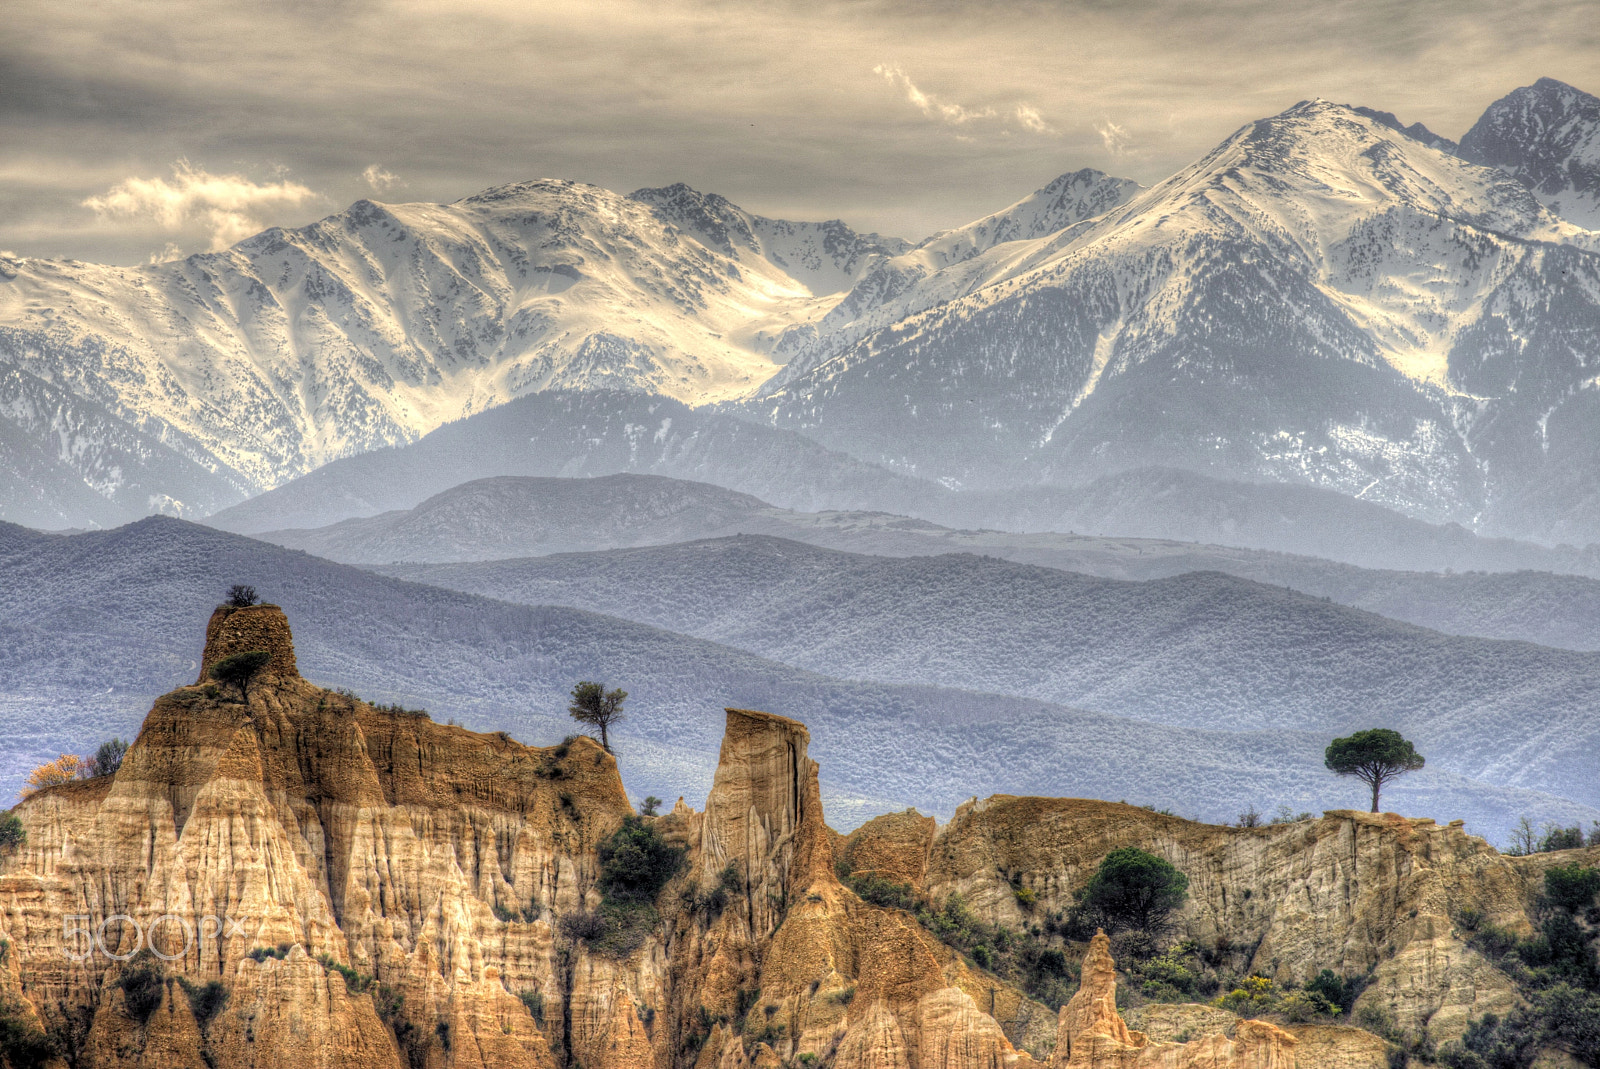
pixel 371 890
pixel 1093 1034
pixel 1351 892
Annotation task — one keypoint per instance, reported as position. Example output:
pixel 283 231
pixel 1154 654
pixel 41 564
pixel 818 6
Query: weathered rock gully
pixel 373 889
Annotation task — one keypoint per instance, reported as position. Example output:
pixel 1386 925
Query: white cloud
pixel 1114 137
pixel 229 207
pixel 954 114
pixel 166 254
pixel 1022 115
pixel 380 180
pixel 1028 118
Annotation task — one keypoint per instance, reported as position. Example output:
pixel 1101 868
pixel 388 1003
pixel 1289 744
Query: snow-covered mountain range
pixel 1329 298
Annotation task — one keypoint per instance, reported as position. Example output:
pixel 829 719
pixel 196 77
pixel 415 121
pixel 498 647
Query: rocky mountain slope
pixel 1354 348
pixel 381 322
pixel 1548 136
pixel 332 883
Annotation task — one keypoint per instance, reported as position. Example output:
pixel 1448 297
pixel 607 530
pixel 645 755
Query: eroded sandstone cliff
pixel 362 887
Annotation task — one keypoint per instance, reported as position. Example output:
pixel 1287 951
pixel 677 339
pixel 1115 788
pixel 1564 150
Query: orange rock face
pixel 1093 1035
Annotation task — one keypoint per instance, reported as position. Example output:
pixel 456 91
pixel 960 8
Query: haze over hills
pixel 570 434
pixel 595 434
pixel 503 517
pixel 1409 327
pixel 1199 649
pixel 126 605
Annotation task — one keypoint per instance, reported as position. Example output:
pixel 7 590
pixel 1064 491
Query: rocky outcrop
pixel 1353 892
pixel 1093 1035
pixel 369 888
pixel 282 874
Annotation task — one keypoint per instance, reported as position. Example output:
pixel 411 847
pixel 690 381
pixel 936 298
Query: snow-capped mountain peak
pixel 1547 135
pixel 826 257
pixel 1069 199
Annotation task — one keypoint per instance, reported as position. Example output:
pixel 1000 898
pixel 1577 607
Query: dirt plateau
pixel 410 880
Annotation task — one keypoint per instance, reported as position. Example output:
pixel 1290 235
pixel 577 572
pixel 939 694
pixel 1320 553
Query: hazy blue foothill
pixel 1200 649
pixel 129 606
pixel 507 516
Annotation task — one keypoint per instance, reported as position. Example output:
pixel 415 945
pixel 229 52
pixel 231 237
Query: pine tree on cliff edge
pixel 1374 757
pixel 593 704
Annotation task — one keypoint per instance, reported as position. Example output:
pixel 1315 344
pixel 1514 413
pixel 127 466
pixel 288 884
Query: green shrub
pixel 22 1044
pixel 1570 1017
pixel 142 986
pixel 1301 1006
pixel 729 885
pixel 355 982
pixel 1253 996
pixel 238 670
pixel 12 833
pixel 527 914
pixel 390 1005
pixel 1558 838
pixel 1168 977
pixel 584 924
pixel 108 758
pixel 1023 959
pixel 205 1000
pixel 278 953
pixel 625 927
pixel 1571 887
pixel 535 1003
pixel 882 892
pixel 636 862
pixel 1338 992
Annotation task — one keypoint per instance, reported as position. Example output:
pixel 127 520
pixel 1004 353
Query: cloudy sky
pixel 140 128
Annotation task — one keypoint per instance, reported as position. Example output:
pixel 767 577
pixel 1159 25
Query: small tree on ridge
pixel 1374 757
pixel 108 758
pixel 64 769
pixel 238 670
pixel 593 704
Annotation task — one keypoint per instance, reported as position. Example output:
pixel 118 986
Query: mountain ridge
pixel 1328 298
